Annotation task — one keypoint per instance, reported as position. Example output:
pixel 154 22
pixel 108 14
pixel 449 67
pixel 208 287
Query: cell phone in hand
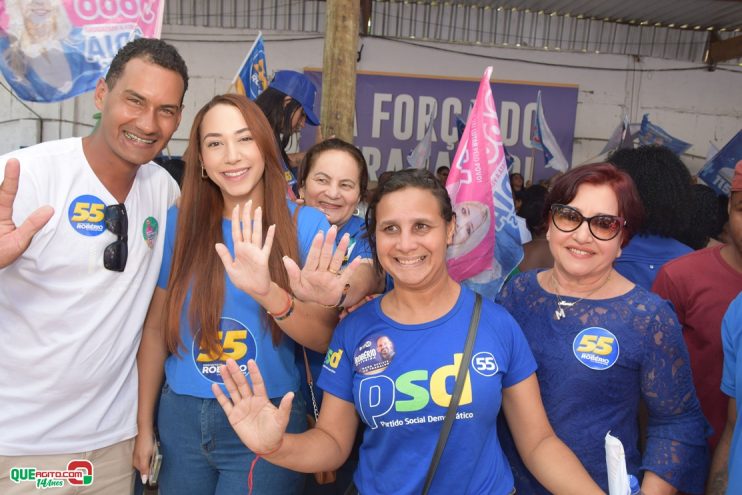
pixel 154 465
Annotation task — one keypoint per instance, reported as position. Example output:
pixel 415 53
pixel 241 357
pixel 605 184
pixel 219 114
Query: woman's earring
pixel 204 175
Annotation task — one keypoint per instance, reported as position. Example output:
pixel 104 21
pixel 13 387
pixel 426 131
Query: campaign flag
pixel 543 139
pixel 486 245
pixel 650 134
pixel 252 78
pixel 719 171
pixel 56 53
pixel 418 157
pixel 620 139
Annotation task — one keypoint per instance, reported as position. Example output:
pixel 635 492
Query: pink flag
pixel 480 192
pixel 470 186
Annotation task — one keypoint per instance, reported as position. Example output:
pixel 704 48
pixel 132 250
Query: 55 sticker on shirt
pixel 596 348
pixel 236 342
pixel 87 215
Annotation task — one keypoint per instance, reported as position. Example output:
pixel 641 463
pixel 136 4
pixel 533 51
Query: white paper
pixel 615 459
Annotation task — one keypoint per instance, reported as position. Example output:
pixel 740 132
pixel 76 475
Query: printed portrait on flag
pixel 51 50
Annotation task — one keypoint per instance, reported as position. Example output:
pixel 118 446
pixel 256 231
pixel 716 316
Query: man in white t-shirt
pixel 76 278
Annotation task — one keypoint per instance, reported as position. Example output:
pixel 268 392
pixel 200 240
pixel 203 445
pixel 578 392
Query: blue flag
pixel 718 171
pixel 252 78
pixel 543 139
pixel 653 134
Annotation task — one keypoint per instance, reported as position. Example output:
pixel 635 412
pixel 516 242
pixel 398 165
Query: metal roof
pixel 725 15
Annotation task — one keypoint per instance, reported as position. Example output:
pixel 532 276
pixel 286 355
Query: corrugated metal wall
pixel 456 23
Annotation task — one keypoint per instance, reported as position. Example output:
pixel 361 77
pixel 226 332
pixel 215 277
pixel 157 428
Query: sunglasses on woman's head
pixel 602 227
pixel 116 253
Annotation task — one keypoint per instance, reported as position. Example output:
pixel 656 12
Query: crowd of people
pixel 206 322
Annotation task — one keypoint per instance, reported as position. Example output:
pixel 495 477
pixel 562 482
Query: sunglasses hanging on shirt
pixel 116 253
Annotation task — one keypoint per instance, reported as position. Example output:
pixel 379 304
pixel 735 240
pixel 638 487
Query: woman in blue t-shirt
pixel 233 302
pixel 604 344
pixel 393 362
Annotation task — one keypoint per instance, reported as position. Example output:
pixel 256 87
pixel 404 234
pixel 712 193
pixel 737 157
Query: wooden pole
pixel 339 69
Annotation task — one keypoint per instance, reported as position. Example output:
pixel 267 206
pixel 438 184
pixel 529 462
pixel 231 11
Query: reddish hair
pixel 630 205
pixel 196 265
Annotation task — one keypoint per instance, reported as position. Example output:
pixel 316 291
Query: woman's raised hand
pixel 258 423
pixel 321 280
pixel 248 271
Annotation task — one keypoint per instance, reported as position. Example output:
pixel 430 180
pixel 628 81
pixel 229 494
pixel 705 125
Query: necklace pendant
pixel 559 313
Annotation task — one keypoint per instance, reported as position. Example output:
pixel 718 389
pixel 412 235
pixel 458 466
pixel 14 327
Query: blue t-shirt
pixel 731 336
pixel 595 365
pixel 644 255
pixel 244 332
pixel 400 378
pixel 357 248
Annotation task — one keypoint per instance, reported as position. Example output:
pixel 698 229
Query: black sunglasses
pixel 116 253
pixel 602 227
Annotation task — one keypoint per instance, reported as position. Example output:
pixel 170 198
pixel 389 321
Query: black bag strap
pixel 456 397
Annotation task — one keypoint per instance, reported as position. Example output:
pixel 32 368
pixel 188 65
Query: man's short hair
pixel 152 50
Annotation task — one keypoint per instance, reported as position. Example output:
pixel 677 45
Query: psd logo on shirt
pixel 87 215
pixel 237 343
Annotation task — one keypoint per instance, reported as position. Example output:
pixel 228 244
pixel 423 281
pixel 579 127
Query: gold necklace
pixel 561 303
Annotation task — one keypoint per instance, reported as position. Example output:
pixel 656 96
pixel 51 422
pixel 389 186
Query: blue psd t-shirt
pixel 400 379
pixel 243 329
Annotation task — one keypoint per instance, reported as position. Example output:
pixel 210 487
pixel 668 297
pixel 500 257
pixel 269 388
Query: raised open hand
pixel 15 240
pixel 248 271
pixel 258 423
pixel 321 280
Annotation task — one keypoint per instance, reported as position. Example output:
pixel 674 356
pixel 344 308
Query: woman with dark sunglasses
pixel 604 344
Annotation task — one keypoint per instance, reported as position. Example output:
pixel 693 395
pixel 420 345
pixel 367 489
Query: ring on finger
pixel 334 272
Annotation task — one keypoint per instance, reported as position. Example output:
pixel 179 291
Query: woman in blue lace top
pixel 604 344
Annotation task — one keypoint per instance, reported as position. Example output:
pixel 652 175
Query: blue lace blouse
pixel 595 365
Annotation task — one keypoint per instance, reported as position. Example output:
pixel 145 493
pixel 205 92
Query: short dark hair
pixel 532 208
pixel 335 144
pixel 664 185
pixel 630 207
pixel 153 51
pixel 403 179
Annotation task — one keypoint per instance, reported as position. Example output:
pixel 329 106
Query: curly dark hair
pixel 704 217
pixel 664 185
pixel 152 50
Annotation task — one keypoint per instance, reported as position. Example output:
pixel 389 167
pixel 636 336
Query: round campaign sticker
pixel 373 355
pixel 485 363
pixel 237 343
pixel 596 348
pixel 87 215
pixel 149 231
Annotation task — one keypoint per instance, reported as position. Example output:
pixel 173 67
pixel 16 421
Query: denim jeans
pixel 201 453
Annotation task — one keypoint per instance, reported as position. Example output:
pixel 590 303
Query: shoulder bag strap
pixel 456 397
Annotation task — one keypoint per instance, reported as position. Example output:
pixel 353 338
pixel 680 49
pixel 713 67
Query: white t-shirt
pixel 69 327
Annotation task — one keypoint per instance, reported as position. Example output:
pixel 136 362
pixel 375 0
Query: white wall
pixel 697 106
